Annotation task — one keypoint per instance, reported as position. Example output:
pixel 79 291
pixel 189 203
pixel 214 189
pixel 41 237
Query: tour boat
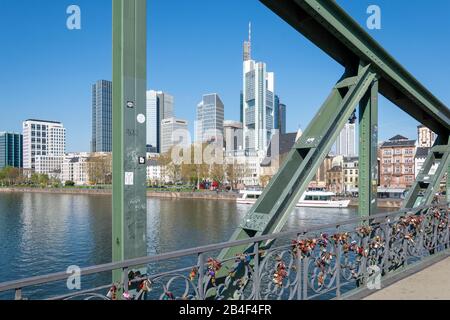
pixel 317 199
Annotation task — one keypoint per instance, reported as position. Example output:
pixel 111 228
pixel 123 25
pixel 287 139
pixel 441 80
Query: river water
pixel 46 233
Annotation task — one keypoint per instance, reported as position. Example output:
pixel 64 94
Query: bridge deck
pixel 432 283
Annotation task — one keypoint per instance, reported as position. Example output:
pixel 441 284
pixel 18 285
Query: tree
pixel 69 184
pixel 10 175
pixel 217 173
pixel 264 180
pixel 44 180
pixel 100 169
pixel 35 179
pixel 164 160
pixel 231 174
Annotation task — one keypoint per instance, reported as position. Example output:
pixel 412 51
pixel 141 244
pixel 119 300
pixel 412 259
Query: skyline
pixel 53 81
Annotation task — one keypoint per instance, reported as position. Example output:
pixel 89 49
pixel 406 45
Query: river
pixel 46 233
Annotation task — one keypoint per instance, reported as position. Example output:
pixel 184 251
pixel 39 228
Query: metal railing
pixel 322 262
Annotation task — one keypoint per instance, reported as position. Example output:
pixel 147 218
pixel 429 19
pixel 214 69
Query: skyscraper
pixel 173 132
pixel 232 135
pixel 11 150
pixel 44 144
pixel 282 118
pixel 280 115
pixel 210 116
pixel 346 142
pixel 101 116
pixel 258 102
pixel 159 107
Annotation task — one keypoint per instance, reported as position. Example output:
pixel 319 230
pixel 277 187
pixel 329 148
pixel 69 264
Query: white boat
pixel 317 199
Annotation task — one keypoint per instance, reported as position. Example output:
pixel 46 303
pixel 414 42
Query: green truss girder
pixel 329 27
pixel 368 152
pixel 129 217
pixel 423 191
pixel 270 212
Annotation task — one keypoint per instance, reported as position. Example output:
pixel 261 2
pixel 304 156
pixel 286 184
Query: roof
pixel 398 143
pixel 422 152
pixel 351 159
pixel 398 137
pixel 336 169
pixel 286 143
pixel 48 121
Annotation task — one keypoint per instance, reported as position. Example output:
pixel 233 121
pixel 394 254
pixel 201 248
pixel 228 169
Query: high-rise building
pixel 44 142
pixel 241 107
pixel 173 132
pixel 233 137
pixel 280 115
pixel 101 116
pixel 258 102
pixel 159 107
pixel 346 142
pixel 11 150
pixel 210 115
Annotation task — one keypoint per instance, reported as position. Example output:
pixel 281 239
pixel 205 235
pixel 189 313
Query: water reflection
pixel 45 233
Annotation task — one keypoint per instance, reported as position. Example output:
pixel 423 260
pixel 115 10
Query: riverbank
pixel 206 195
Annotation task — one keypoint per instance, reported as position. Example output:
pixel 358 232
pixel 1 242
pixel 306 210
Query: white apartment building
pixel 44 144
pixel 351 174
pixel 425 137
pixel 154 172
pixel 174 132
pixel 50 165
pixel 247 166
pixel 75 168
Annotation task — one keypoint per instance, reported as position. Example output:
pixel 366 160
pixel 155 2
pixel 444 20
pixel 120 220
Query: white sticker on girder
pixel 129 178
pixel 141 118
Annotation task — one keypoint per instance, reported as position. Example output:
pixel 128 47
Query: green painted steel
pixel 129 130
pixel 272 209
pixel 428 180
pixel 447 186
pixel 328 26
pixel 368 155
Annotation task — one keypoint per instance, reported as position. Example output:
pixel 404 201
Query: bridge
pixel 338 261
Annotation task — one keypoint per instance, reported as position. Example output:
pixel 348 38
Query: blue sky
pixel 195 47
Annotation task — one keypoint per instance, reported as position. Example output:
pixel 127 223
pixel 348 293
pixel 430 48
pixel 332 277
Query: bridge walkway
pixel 432 283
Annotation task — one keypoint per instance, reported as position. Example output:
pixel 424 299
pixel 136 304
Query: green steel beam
pixel 129 130
pixel 328 26
pixel 447 185
pixel 429 178
pixel 269 214
pixel 368 146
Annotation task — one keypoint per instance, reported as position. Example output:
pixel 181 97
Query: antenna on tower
pixel 248 44
pixel 250 38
